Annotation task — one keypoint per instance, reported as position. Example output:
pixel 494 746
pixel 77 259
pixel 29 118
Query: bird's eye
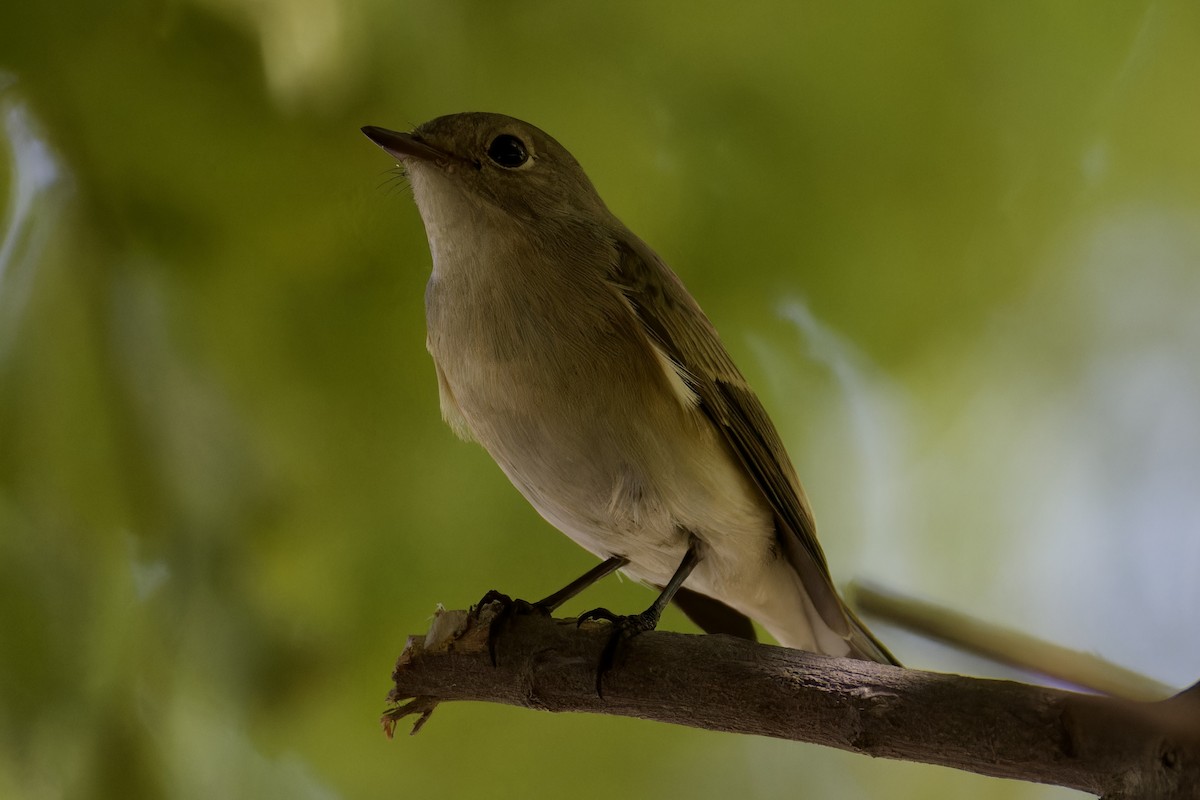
pixel 508 151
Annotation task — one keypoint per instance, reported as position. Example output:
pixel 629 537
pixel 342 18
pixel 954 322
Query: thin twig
pixel 1004 645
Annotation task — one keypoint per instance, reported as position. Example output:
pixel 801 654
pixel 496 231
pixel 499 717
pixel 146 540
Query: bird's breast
pixel 561 385
pixel 561 389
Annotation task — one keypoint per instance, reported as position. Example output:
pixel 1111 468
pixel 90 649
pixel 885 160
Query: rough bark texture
pixel 1118 749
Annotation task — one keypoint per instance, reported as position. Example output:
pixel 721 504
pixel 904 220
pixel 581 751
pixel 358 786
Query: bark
pixel 1119 749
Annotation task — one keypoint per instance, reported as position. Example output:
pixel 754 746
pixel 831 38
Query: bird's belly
pixel 630 471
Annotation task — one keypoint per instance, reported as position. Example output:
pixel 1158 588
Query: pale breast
pixel 591 423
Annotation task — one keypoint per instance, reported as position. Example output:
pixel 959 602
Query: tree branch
pixel 1003 645
pixel 1120 749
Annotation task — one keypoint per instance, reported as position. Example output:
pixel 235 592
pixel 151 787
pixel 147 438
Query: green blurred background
pixel 955 245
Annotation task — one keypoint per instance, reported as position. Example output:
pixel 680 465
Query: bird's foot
pixel 509 610
pixel 625 627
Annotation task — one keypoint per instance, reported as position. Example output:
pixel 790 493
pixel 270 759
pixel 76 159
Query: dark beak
pixel 403 146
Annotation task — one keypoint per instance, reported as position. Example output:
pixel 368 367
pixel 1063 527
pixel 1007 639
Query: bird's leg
pixel 546 605
pixel 628 626
pixel 601 570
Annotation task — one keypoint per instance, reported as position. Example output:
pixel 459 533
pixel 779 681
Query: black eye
pixel 508 151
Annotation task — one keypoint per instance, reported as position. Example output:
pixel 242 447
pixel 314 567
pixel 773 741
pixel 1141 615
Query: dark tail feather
pixel 713 616
pixel 863 644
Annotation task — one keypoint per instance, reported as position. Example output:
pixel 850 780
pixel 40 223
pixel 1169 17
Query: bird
pixel 567 348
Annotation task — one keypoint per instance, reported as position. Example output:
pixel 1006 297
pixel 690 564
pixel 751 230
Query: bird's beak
pixel 404 146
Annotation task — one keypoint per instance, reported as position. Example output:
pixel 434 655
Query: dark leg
pixel 625 627
pixel 547 604
pixel 601 570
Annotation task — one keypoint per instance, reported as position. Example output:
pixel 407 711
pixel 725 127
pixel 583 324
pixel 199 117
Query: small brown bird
pixel 578 360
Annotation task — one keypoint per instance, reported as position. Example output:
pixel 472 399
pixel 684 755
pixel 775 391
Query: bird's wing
pixel 675 324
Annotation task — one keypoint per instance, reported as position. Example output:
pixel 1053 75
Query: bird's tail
pixel 863 644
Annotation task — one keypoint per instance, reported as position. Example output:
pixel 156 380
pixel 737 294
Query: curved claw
pixel 625 627
pixel 509 608
pixel 599 614
pixel 492 596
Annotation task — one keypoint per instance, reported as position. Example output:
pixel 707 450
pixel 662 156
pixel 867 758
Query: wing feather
pixel 679 329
